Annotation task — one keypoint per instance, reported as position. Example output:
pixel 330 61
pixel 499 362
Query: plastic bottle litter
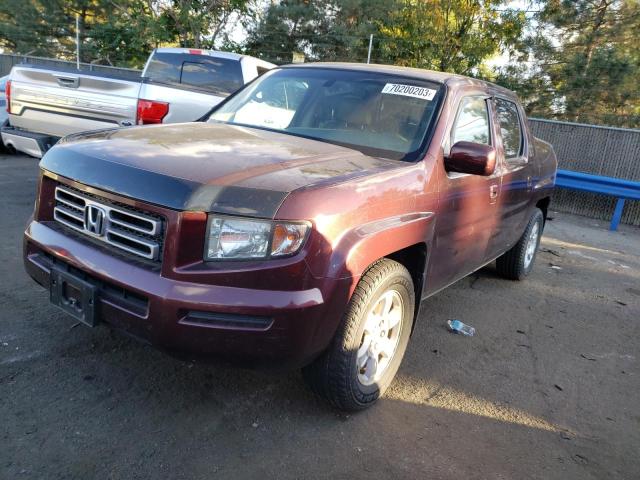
pixel 456 326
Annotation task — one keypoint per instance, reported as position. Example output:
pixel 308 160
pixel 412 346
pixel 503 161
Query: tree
pixel 115 32
pixel 125 38
pixel 38 27
pixel 448 35
pixel 110 32
pixel 200 23
pixel 326 30
pixel 284 28
pixel 582 63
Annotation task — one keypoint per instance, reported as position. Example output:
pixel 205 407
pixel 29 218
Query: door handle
pixel 493 192
pixel 69 82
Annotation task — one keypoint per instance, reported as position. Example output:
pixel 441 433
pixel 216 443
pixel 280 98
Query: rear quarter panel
pixel 545 157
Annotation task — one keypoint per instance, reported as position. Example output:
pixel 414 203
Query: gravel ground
pixel 548 388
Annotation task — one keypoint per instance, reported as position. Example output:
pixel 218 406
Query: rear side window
pixel 165 68
pixel 200 72
pixel 510 128
pixel 472 123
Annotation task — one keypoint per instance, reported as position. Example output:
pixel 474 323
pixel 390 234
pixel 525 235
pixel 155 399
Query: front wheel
pixel 366 352
pixel 517 263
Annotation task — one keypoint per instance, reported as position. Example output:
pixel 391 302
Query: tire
pixel 335 375
pixel 518 262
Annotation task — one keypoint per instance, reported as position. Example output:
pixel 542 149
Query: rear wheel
pixel 366 352
pixel 517 263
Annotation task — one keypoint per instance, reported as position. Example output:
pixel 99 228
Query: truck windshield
pixel 379 114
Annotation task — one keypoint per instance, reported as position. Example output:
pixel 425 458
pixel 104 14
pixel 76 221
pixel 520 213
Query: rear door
pixel 191 84
pixel 468 212
pixel 517 174
pixel 60 102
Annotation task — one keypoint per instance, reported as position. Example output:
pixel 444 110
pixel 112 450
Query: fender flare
pixel 363 245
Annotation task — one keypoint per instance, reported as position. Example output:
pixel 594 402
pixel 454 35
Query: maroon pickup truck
pixel 300 225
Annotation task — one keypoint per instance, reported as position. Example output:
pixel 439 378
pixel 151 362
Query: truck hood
pixel 206 167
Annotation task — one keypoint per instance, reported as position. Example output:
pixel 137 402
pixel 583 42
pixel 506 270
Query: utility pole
pixel 370 45
pixel 77 41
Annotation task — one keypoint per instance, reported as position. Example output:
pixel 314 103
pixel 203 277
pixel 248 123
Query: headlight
pixel 242 238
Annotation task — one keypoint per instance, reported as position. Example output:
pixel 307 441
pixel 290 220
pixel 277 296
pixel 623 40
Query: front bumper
pixel 281 328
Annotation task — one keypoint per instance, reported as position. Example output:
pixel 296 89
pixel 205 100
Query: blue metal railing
pixel 615 187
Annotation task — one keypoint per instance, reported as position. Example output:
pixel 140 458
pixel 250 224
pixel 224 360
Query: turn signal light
pixel 150 112
pixel 287 238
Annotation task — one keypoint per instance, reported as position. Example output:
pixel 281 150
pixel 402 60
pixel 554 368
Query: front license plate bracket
pixel 74 295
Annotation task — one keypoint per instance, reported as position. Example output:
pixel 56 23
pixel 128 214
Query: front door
pixel 468 209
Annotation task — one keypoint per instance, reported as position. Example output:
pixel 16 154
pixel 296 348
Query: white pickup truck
pixel 177 85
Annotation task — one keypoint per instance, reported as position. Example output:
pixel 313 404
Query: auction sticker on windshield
pixel 409 91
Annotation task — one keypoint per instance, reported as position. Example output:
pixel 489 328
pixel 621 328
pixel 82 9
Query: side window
pixel 217 75
pixel 510 128
pixel 164 68
pixel 472 124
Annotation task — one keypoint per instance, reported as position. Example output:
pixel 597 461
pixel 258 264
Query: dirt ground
pixel 548 388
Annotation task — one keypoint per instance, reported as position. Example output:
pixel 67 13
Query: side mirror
pixel 470 157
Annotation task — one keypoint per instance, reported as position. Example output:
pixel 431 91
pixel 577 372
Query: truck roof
pixel 451 80
pixel 214 53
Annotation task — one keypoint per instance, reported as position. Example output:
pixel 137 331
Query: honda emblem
pixel 94 220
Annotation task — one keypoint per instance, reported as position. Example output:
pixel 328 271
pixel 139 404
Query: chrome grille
pixel 131 231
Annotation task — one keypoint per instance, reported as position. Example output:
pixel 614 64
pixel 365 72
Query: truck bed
pixel 58 102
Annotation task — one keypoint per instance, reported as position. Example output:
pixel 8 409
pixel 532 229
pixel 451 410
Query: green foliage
pixel 199 23
pixel 570 59
pixel 448 35
pixel 321 29
pixel 121 32
pixel 583 62
pixel 111 32
pixel 125 36
pixel 37 27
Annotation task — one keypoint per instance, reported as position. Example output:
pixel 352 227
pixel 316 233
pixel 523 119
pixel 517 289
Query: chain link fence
pixel 609 151
pixel 7 61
